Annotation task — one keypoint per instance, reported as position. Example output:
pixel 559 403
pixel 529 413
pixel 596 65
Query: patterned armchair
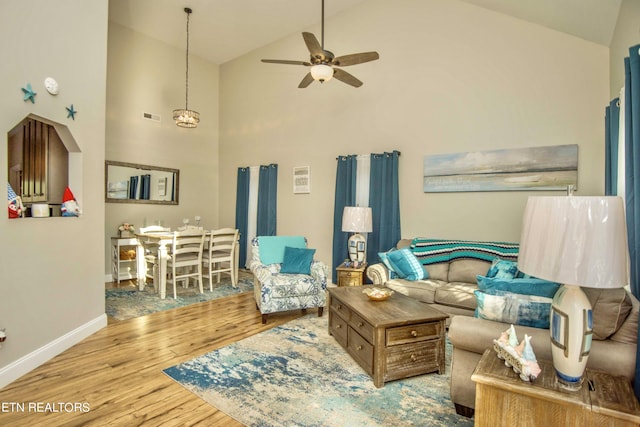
pixel 280 287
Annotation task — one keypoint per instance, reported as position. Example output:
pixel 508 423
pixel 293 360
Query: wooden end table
pixel 503 399
pixel 397 338
pixel 351 276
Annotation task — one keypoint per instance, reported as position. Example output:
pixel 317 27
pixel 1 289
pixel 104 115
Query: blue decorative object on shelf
pixel 29 94
pixel 71 112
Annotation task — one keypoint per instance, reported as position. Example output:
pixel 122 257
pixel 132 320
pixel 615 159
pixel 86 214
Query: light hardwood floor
pixel 117 371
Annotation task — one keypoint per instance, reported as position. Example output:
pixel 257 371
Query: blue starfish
pixel 71 112
pixel 29 94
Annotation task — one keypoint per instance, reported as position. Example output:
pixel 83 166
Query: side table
pixel 503 399
pixel 123 268
pixel 351 276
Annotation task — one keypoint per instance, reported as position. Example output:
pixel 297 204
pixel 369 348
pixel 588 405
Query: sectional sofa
pixel 456 274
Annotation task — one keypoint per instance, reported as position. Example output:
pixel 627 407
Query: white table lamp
pixel 578 242
pixel 357 220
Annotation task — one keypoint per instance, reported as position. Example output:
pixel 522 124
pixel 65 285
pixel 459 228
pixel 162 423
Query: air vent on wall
pixel 151 116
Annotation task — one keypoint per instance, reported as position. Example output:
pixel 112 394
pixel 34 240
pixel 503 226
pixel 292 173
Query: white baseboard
pixel 26 364
pixel 108 278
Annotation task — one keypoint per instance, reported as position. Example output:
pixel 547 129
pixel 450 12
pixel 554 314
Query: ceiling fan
pixel 324 63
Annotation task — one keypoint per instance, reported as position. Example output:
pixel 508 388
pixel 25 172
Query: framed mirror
pixel 135 183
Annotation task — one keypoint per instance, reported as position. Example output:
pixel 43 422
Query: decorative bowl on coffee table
pixel 377 294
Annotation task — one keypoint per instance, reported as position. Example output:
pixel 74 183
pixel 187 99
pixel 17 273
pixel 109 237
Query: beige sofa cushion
pixel 466 270
pixel 438 271
pixel 404 243
pixel 610 309
pixel 457 294
pixel 421 290
pixel 628 332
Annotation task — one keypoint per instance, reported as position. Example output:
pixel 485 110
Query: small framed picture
pixel 301 179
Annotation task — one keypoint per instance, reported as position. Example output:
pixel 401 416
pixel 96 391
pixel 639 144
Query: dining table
pixel 163 241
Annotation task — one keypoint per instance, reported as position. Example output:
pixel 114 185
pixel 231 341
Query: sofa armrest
pixel 320 272
pixel 261 272
pixel 378 274
pixel 475 335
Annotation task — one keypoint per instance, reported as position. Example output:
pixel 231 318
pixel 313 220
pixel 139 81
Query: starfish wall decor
pixel 29 94
pixel 71 112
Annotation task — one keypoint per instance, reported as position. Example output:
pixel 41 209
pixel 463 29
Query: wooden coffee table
pixel 397 338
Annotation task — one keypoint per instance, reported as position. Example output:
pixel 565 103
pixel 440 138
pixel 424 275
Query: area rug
pixel 298 375
pixel 127 303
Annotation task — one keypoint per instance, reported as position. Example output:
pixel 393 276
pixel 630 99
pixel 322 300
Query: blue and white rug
pixel 127 303
pixel 298 375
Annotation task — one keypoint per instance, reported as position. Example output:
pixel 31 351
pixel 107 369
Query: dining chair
pixel 219 256
pixel 151 252
pixel 186 253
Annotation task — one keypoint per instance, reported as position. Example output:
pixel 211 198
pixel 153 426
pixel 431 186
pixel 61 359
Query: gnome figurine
pixel 69 205
pixel 14 203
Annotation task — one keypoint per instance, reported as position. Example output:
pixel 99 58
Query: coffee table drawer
pixel 340 309
pixel 362 327
pixel 412 359
pixel 338 328
pixel 361 351
pixel 414 333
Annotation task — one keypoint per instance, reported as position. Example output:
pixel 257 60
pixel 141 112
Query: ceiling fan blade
pixel 306 81
pixel 285 61
pixel 313 45
pixel 355 58
pixel 345 77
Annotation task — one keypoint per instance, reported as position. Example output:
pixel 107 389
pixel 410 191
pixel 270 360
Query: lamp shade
pixel 575 241
pixel 322 72
pixel 357 219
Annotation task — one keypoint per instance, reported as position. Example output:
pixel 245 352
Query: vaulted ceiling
pixel 222 30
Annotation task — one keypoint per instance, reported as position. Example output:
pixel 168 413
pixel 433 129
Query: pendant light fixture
pixel 184 117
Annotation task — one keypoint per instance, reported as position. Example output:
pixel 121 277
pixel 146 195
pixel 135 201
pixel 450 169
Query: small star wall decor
pixel 29 94
pixel 71 112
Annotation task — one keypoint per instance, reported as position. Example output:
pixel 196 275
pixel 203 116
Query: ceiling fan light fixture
pixel 322 72
pixel 184 117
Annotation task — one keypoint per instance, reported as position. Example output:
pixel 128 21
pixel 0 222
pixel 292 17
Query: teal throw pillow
pixel 521 275
pixel 406 265
pixel 525 286
pixel 297 260
pixel 516 309
pixel 503 269
pixel 385 260
pixel 271 248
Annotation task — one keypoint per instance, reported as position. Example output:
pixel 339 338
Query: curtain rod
pixel 338 158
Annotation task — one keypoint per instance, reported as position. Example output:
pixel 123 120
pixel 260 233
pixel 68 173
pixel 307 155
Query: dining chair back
pixel 219 256
pixel 151 252
pixel 154 229
pixel 185 260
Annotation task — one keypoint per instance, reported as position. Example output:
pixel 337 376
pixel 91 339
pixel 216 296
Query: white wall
pixel 451 77
pixel 145 75
pixel 626 34
pixel 51 281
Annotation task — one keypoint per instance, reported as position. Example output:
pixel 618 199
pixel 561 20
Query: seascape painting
pixel 534 168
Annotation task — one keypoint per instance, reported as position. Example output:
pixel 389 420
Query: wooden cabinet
pixel 351 276
pixel 503 399
pixel 392 339
pixel 123 258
